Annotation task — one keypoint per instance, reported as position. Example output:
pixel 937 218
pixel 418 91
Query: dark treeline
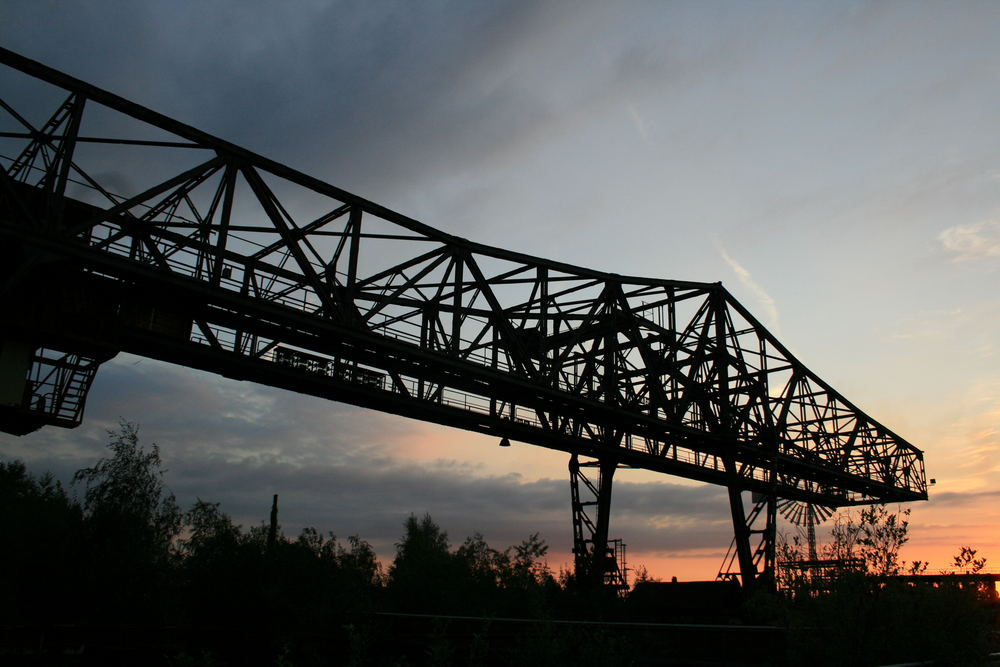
pixel 117 573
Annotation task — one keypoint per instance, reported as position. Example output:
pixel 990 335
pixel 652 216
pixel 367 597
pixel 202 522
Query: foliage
pixel 126 494
pixel 843 538
pixel 43 529
pixel 484 565
pixel 642 576
pixel 125 557
pixel 788 555
pixel 528 565
pixel 475 579
pixel 872 623
pixel 883 533
pixel 423 575
pixel 210 532
pixel 131 521
pixel 870 616
pixel 360 563
pixel 967 562
pixel 875 538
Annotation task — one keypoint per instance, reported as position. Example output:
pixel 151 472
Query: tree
pixel 875 537
pixel 127 493
pixel 424 574
pixel 790 554
pixel 42 533
pixel 642 576
pixel 528 565
pixel 873 618
pixel 883 533
pixel 423 540
pixel 131 521
pixel 220 571
pixel 486 566
pixel 210 531
pixel 843 538
pixel 966 560
pixel 359 566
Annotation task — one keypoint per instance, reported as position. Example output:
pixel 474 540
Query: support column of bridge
pixel 741 535
pixel 749 561
pixel 595 563
pixel 755 565
pixel 15 362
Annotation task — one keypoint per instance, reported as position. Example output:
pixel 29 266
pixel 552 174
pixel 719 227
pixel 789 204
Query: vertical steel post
pixel 590 530
pixel 768 544
pixel 741 530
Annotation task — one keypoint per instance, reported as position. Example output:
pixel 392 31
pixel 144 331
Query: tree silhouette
pixel 127 493
pixel 424 576
pixel 883 534
pixel 131 521
pixel 124 557
pixel 874 539
pixel 43 532
pixel 966 560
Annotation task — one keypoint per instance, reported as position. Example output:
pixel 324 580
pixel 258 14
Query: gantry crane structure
pixel 125 230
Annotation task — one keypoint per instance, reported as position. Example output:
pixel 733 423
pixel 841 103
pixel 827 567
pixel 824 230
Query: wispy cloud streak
pixel 638 122
pixel 975 242
pixel 765 299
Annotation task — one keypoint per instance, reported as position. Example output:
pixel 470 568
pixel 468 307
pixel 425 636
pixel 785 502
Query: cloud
pixel 638 122
pixel 348 470
pixel 966 457
pixel 765 299
pixel 964 498
pixel 928 324
pixel 372 496
pixel 971 243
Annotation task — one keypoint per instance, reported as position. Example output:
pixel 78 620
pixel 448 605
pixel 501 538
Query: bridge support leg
pixel 595 563
pixel 768 541
pixel 751 555
pixel 741 535
pixel 15 361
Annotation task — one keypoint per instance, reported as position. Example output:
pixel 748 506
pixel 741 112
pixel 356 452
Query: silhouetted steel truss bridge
pixel 125 230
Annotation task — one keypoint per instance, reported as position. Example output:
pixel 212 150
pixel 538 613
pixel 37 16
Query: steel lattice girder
pixel 243 266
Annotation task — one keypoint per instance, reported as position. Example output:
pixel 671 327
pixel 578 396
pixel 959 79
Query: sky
pixel 835 165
